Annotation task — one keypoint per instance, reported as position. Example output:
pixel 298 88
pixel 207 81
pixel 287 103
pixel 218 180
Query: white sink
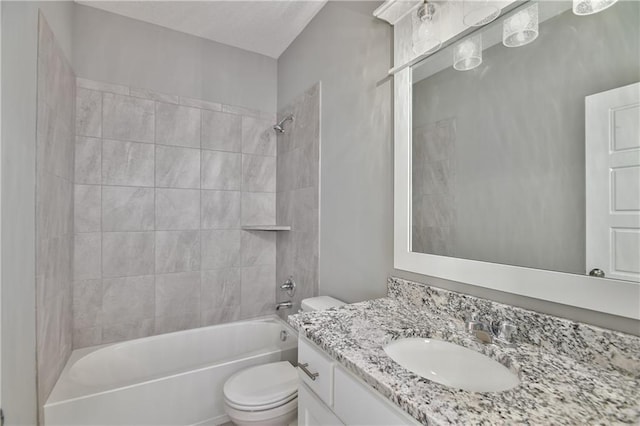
pixel 451 365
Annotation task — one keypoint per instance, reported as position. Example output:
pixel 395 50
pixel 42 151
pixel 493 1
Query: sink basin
pixel 451 365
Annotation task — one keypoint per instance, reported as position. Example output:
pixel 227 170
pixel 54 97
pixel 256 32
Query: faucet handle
pixel 506 332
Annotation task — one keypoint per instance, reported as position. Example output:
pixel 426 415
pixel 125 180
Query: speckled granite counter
pixel 570 373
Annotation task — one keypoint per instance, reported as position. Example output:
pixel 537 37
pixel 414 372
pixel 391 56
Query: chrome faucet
pixel 284 305
pixel 500 332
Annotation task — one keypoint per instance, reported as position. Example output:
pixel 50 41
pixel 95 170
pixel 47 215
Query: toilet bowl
pixel 267 395
pixel 262 395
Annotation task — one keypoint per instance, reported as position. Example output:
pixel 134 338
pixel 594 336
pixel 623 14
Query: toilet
pixel 267 395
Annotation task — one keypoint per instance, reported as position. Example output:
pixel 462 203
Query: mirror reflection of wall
pixel 498 152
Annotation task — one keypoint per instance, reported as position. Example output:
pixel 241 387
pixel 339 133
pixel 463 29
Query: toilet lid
pixel 262 385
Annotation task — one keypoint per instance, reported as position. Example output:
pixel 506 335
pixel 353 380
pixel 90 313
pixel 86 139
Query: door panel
pixel 613 182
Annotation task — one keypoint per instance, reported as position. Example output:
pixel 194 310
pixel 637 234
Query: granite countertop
pixel 555 388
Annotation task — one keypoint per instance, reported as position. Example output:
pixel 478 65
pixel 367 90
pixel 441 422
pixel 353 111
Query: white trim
pixel 393 11
pixel 598 294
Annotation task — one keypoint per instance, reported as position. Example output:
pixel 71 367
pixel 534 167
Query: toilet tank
pixel 320 303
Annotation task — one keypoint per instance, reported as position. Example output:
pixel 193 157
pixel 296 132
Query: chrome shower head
pixel 280 126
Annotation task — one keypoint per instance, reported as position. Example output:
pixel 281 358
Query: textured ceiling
pixel 266 27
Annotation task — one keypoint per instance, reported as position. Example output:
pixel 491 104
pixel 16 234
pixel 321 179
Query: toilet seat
pixel 262 387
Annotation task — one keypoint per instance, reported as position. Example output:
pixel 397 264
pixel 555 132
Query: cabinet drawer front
pixel 312 412
pixel 358 404
pixel 319 366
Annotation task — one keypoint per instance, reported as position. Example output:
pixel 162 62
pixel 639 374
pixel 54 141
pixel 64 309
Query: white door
pixel 613 182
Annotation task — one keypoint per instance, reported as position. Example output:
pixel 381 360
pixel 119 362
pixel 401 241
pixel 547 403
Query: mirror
pixel 532 158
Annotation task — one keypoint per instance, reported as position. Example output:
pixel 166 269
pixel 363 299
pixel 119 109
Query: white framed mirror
pixel 523 174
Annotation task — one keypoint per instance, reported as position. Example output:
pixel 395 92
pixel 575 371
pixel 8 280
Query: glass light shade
pixel 468 54
pixel 426 34
pixel 589 7
pixel 477 13
pixel 521 28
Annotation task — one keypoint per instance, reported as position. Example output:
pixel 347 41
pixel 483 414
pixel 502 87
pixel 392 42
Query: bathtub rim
pixel 64 392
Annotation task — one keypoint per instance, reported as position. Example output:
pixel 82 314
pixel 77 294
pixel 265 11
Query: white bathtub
pixel 169 379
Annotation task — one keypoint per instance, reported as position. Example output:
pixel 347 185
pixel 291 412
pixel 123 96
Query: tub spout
pixel 284 305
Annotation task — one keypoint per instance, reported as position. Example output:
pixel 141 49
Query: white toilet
pixel 267 395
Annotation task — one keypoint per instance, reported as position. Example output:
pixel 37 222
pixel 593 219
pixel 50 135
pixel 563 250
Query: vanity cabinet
pixel 330 395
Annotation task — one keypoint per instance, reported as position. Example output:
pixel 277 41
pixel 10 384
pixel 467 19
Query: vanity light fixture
pixel 426 31
pixel 477 13
pixel 589 7
pixel 521 28
pixel 467 55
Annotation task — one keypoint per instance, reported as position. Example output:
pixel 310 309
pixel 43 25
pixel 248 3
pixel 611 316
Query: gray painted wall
pixel 115 49
pixel 19 63
pixel 515 168
pixel 350 52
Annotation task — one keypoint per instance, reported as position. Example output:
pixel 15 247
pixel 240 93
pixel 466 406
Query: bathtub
pixel 169 379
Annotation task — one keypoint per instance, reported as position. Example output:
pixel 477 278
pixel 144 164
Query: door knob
pixel 598 273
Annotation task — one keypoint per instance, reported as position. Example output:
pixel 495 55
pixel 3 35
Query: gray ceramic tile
pixel 177 125
pixel 258 136
pixel 87 304
pixel 221 209
pixel 54 266
pixel 87 208
pixel 220 288
pixel 286 171
pixel 221 170
pixel 153 95
pixel 221 131
pixel 127 208
pixel 54 141
pixel 177 251
pixel 127 118
pixel 177 209
pixel 169 324
pixel 258 173
pixel 85 337
pixel 177 167
pixel 88 113
pixel 284 208
pixel 128 331
pixel 258 290
pixel 198 103
pixel 258 248
pixel 220 249
pixel 54 206
pixel 101 86
pixel 128 299
pixel 305 209
pixel 87 256
pixel 127 163
pixel 177 294
pixel 88 160
pixel 126 254
pixel 258 208
pixel 220 315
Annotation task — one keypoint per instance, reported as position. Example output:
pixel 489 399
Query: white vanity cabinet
pixel 330 395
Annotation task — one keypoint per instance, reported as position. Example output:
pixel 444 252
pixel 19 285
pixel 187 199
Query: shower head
pixel 280 126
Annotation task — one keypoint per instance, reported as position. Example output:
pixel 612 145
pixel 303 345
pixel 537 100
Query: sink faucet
pixel 501 332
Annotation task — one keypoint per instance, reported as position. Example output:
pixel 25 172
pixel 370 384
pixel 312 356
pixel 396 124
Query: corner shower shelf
pixel 267 228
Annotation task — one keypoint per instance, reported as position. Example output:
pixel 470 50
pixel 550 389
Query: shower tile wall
pixel 163 186
pixel 298 184
pixel 54 205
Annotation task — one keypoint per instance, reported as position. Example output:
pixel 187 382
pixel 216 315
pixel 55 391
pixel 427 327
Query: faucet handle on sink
pixel 506 333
